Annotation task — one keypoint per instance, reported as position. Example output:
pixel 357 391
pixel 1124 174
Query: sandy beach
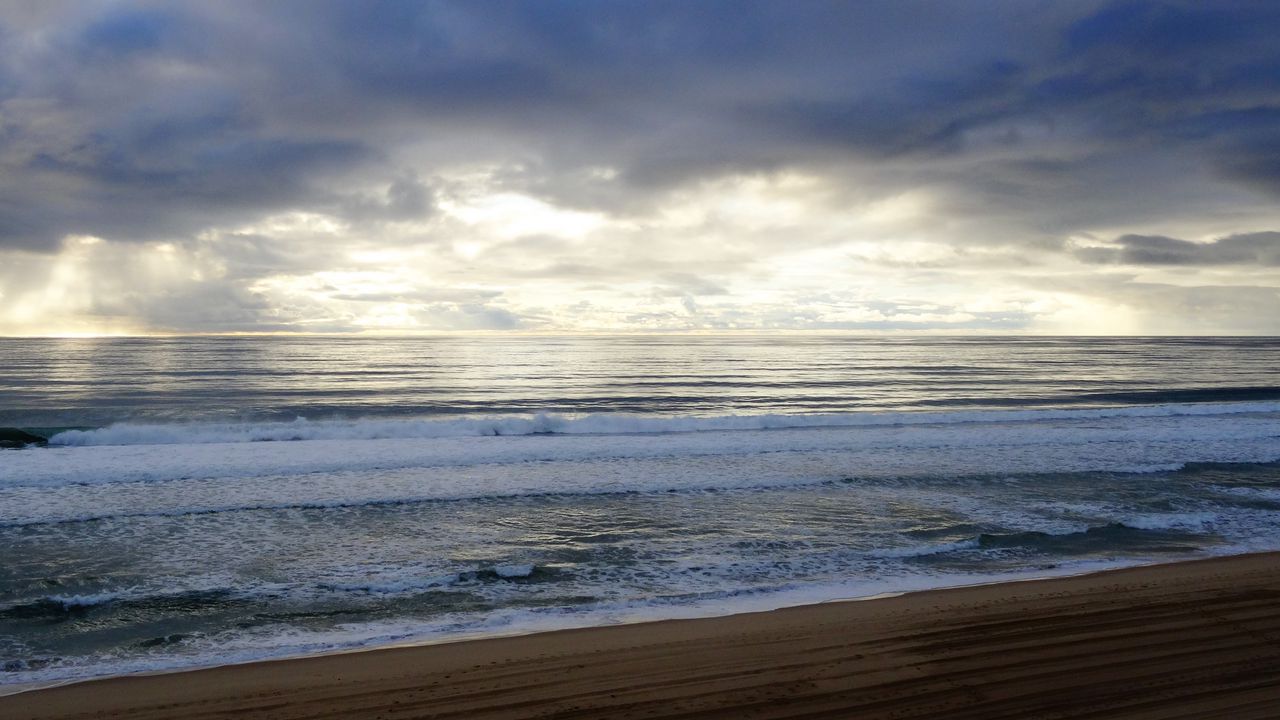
pixel 1197 639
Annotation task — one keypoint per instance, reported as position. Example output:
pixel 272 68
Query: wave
pixel 302 429
pixel 1102 538
pixel 914 551
pixel 61 607
pixel 1162 534
pixel 1127 397
pixel 1190 521
pixel 486 574
pixel 1154 533
pixel 54 608
pixel 80 484
pixel 240 644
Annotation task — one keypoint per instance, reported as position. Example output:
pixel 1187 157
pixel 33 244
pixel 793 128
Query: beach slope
pixel 1188 640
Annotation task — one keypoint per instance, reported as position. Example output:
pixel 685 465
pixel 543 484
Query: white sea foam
pixel 1254 493
pixel 68 602
pixel 101 481
pixel 514 571
pixel 131 594
pixel 1194 521
pixel 910 551
pixel 598 424
pixel 275 641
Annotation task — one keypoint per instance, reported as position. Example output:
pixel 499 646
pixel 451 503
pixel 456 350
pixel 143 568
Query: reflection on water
pixel 90 382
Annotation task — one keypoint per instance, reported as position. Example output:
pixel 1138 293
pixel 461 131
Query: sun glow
pixel 509 215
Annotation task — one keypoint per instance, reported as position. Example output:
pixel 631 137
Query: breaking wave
pixel 598 424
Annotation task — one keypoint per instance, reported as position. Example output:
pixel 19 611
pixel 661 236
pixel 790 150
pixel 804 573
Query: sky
pixel 911 167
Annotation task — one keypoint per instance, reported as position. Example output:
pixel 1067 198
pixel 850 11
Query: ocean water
pixel 213 500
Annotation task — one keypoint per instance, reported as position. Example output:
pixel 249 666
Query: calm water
pixel 208 500
pixel 76 382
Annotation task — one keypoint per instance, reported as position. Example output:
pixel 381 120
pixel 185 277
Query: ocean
pixel 208 500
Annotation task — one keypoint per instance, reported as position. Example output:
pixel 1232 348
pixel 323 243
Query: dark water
pixel 432 488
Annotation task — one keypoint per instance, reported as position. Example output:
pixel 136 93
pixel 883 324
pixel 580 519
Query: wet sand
pixel 1197 639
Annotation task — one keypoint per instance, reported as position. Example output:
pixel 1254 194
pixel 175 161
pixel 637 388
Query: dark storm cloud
pixel 1197 78
pixel 1261 248
pixel 925 117
pixel 136 120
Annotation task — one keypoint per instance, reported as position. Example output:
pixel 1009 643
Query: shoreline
pixel 763 604
pixel 831 656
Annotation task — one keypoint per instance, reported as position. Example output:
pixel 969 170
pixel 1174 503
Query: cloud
pixel 1134 306
pixel 663 93
pixel 350 164
pixel 1260 248
pixel 684 284
pixel 467 316
pixel 436 297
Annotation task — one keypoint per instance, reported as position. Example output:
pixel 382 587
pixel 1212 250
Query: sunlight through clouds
pixel 327 177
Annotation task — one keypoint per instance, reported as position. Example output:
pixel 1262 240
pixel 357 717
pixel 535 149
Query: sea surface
pixel 224 499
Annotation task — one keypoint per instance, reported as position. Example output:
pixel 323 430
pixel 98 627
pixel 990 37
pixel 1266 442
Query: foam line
pixel 599 424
